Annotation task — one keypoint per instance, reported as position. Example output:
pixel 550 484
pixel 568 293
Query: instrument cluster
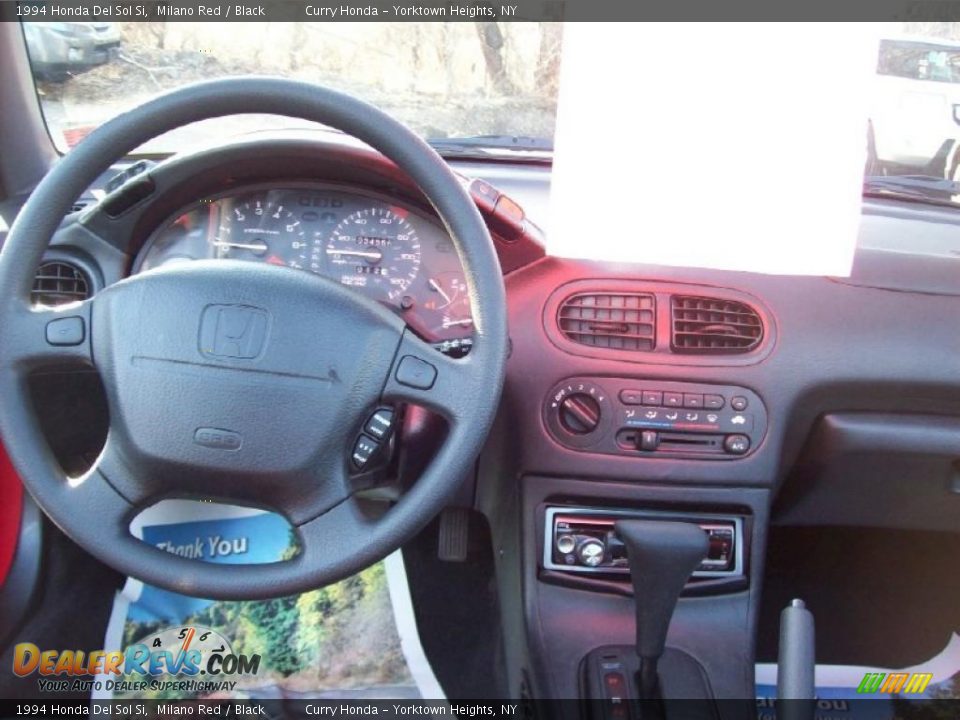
pixel 387 250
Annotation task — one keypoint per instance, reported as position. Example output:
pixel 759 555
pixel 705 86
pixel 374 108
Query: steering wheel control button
pixel 416 373
pixel 380 423
pixel 66 331
pixel 364 449
pixel 652 397
pixel 738 403
pixel 713 402
pixel 672 399
pixel 736 444
pixel 692 400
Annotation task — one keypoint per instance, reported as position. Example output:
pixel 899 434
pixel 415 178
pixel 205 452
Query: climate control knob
pixel 579 414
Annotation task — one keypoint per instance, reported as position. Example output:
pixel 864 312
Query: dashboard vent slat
pixel 712 326
pixel 58 283
pixel 616 321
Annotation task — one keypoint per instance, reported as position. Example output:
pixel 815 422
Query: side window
pixel 918 61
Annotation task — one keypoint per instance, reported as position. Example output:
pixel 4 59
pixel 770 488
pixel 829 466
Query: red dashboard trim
pixel 11 505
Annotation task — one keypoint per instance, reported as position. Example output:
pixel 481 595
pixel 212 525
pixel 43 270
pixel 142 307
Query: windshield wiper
pixel 492 145
pixel 919 188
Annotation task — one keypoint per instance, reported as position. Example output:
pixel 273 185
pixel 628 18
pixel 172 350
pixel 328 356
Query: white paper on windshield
pixel 729 146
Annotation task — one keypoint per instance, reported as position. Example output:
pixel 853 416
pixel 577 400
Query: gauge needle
pixel 436 286
pixel 447 323
pixel 260 247
pixel 373 255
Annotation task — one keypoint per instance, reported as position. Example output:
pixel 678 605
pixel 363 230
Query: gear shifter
pixel 662 557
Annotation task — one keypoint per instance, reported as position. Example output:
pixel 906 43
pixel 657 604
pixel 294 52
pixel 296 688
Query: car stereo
pixel 582 540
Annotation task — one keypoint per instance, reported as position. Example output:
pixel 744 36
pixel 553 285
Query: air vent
pixel 711 326
pixel 59 283
pixel 618 321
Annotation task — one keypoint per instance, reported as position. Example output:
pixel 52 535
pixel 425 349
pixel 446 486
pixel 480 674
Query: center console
pixel 581 603
pixel 594 584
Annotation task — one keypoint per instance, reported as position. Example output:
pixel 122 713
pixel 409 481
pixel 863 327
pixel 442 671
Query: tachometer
pixel 264 230
pixel 375 249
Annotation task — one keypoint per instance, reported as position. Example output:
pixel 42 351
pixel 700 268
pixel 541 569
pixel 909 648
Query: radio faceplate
pixel 655 418
pixel 582 540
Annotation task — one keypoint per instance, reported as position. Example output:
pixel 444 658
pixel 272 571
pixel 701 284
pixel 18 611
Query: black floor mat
pixel 70 611
pixel 455 604
pixel 883 598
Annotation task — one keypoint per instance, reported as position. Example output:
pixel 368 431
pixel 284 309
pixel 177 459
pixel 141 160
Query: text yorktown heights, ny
pixel 454 11
pixel 247 11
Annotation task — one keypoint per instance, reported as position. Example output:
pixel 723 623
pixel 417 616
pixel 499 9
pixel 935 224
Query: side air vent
pixel 617 321
pixel 58 283
pixel 711 326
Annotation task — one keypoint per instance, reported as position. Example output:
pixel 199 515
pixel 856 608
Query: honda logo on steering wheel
pixel 233 331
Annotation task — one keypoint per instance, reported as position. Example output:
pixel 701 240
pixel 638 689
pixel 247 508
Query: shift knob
pixel 662 557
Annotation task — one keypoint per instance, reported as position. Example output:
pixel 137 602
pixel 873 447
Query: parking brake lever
pixel 796 662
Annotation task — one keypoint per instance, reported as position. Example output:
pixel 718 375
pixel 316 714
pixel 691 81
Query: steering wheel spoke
pixel 138 489
pixel 41 336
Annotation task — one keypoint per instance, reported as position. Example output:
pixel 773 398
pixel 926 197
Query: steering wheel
pixel 240 381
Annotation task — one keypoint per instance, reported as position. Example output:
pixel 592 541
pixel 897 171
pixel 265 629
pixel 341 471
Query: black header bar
pixel 467 11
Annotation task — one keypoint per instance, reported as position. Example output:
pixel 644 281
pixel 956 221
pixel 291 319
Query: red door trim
pixel 11 506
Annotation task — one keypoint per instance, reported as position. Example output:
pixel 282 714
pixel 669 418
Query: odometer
pixel 375 249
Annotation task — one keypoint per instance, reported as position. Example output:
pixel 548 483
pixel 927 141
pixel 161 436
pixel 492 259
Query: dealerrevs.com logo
pixel 186 652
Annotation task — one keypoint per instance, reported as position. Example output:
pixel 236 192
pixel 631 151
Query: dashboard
pixel 389 251
pixel 861 344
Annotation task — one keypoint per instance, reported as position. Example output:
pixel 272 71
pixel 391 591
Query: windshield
pixel 468 87
pixel 493 82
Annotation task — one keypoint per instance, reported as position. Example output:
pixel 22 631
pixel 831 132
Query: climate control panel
pixel 655 418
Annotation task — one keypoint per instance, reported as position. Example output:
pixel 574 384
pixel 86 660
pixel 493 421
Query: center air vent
pixel 58 283
pixel 702 325
pixel 618 321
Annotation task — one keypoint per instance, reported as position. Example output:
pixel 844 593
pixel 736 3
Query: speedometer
pixel 264 230
pixel 376 249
